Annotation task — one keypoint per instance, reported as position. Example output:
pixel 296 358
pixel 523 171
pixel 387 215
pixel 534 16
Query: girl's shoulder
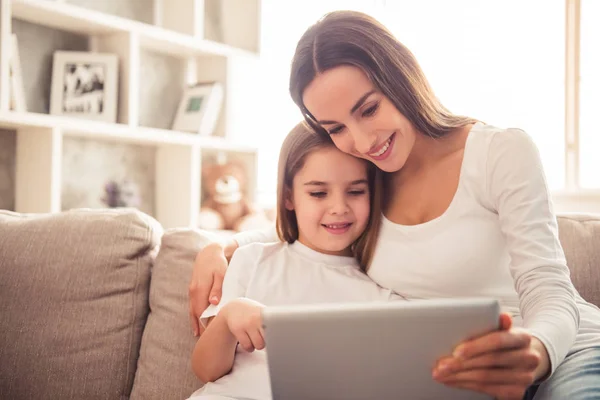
pixel 260 251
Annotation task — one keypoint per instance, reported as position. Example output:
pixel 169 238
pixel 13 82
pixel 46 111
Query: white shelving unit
pixel 178 31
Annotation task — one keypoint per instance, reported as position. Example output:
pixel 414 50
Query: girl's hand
pixel 207 280
pixel 244 320
pixel 502 364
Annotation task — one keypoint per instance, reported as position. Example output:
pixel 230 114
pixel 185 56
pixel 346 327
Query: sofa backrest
pixel 580 237
pixel 164 368
pixel 74 295
pixel 75 290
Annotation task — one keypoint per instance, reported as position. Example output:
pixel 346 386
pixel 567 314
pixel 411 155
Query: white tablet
pixel 370 351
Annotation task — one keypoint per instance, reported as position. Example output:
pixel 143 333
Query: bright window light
pixel 589 106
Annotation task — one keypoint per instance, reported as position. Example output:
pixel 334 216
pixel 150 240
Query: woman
pixel 466 213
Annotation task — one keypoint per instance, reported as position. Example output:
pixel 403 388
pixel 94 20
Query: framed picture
pixel 17 90
pixel 199 109
pixel 84 85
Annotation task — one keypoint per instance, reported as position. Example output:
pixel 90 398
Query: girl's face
pixel 360 119
pixel 330 196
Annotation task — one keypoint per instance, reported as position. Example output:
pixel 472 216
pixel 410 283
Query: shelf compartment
pixel 37 45
pixel 162 82
pixel 89 164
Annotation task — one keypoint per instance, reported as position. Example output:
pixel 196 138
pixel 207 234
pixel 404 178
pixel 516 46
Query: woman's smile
pixel 383 151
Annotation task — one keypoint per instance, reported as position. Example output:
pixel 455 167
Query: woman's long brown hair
pixel 356 39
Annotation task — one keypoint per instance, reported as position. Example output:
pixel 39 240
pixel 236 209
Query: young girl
pixel 325 199
pixel 466 204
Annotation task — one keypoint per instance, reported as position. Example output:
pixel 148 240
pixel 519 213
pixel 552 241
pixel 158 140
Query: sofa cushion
pixel 580 238
pixel 164 368
pixel 74 290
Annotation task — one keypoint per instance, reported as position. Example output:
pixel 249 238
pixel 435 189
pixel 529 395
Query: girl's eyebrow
pixel 356 106
pixel 315 183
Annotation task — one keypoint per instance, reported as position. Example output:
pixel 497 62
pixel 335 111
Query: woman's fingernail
pixel 195 332
pixel 214 299
pixel 459 352
pixel 444 367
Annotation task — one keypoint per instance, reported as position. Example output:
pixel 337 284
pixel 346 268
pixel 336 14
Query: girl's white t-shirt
pixel 498 238
pixel 283 274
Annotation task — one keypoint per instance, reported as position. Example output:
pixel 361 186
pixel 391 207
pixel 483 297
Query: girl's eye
pixel 336 129
pixel 371 110
pixel 357 192
pixel 319 195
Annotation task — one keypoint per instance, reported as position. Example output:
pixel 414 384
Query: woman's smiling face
pixel 360 119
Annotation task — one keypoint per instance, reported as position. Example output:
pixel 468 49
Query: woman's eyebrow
pixel 356 106
pixel 361 101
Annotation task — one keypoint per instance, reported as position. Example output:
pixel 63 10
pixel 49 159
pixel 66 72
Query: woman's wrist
pixel 543 369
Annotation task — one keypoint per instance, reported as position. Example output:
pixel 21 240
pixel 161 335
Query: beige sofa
pixel 91 309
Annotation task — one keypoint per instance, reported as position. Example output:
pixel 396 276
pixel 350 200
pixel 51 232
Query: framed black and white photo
pixel 85 85
pixel 199 109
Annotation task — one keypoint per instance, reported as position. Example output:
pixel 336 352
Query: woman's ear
pixel 289 204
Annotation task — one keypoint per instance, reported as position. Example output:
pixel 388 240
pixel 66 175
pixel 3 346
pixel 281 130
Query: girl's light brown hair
pixel 297 146
pixel 356 39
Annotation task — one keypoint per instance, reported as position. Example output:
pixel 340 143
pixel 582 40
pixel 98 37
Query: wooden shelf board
pixel 80 20
pixel 67 17
pixel 116 132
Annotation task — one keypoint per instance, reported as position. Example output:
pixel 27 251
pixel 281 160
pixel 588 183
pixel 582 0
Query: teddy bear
pixel 226 205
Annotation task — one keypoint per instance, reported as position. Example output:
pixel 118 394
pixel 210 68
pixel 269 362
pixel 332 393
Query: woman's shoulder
pixel 490 147
pixel 490 137
pixel 494 155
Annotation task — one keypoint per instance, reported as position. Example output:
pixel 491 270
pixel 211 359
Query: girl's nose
pixel 339 206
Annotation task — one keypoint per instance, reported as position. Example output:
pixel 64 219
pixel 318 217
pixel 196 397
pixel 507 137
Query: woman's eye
pixel 371 110
pixel 335 130
pixel 318 194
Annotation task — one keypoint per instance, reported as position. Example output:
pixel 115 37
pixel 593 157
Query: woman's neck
pixel 428 151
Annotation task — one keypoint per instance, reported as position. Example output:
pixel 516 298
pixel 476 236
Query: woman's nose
pixel 363 141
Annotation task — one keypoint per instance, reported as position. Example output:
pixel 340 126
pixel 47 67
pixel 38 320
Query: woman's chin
pixel 390 165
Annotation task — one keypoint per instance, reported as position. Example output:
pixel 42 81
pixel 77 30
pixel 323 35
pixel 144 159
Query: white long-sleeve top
pixel 498 238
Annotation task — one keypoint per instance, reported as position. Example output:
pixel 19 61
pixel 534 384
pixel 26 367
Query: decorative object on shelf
pixel 225 205
pixel 17 90
pixel 199 109
pixel 123 194
pixel 84 85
